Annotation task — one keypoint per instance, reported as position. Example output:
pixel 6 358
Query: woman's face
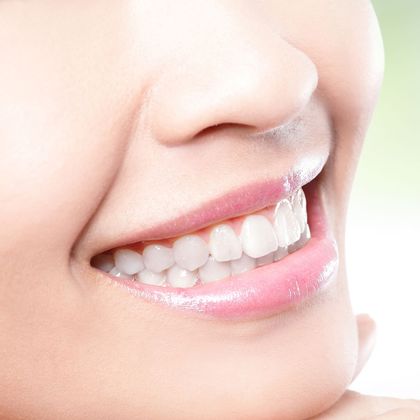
pixel 120 118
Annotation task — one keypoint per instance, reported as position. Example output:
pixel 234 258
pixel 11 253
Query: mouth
pixel 273 251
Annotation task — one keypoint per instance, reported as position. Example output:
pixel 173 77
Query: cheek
pixel 60 154
pixel 63 120
pixel 59 158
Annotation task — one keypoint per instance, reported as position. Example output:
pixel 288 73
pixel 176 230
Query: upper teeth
pixel 190 252
pixel 261 241
pixel 158 257
pixel 224 243
pixel 258 237
pixel 286 224
pixel 128 261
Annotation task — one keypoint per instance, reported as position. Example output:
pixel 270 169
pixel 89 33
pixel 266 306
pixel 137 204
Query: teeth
pixel 280 254
pixel 307 232
pixel 299 208
pixel 190 252
pixel 224 244
pixel 104 262
pixel 149 277
pixel 257 236
pixel 115 272
pixel 285 223
pixel 190 259
pixel 304 238
pixel 158 258
pixel 180 277
pixel 214 270
pixel 267 259
pixel 244 264
pixel 128 261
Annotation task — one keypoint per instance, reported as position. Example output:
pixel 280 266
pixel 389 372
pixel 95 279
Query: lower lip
pixel 264 291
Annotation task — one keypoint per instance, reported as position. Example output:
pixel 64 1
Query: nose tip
pixel 255 88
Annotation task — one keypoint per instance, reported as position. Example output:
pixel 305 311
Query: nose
pixel 259 84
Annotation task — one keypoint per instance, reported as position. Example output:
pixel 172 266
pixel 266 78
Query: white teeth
pixel 267 259
pixel 285 223
pixel 214 270
pixel 190 252
pixel 104 262
pixel 191 260
pixel 158 257
pixel 128 261
pixel 179 277
pixel 117 273
pixel 299 208
pixel 257 236
pixel 149 277
pixel 280 254
pixel 224 244
pixel 307 232
pixel 244 264
pixel 304 238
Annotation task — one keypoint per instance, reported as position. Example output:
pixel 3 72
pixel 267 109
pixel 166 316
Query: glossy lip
pixel 244 200
pixel 264 291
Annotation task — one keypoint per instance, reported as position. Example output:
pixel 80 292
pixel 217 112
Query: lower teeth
pixel 191 261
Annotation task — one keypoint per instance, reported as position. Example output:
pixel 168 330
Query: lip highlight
pixel 263 291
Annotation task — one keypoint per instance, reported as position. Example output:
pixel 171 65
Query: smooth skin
pixel 118 115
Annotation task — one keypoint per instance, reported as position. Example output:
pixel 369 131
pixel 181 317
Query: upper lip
pixel 243 200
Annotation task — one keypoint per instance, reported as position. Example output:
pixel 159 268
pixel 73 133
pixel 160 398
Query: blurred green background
pixel 390 164
pixel 383 231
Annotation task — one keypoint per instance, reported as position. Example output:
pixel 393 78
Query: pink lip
pixel 264 291
pixel 244 200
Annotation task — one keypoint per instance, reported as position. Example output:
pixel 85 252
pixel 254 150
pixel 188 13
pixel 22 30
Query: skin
pixel 118 115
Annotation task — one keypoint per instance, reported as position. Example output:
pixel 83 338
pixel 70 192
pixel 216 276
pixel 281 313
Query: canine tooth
pixel 128 261
pixel 258 237
pixel 304 238
pixel 117 273
pixel 244 264
pixel 158 257
pixel 299 208
pixel 267 259
pixel 224 244
pixel 214 270
pixel 285 224
pixel 180 277
pixel 280 253
pixel 190 252
pixel 149 277
pixel 104 262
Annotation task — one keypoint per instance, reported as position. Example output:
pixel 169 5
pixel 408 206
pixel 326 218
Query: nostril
pixel 223 127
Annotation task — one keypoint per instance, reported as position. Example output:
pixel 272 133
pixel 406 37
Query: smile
pixel 250 265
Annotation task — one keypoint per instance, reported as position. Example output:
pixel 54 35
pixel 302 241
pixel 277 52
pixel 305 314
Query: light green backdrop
pixel 383 232
pixel 390 164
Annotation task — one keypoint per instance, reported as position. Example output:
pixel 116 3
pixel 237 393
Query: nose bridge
pixel 258 83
